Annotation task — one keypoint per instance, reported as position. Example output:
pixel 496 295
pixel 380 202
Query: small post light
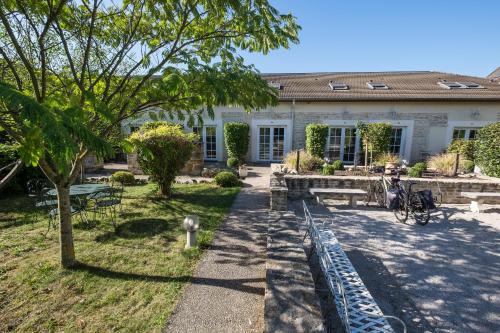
pixel 191 224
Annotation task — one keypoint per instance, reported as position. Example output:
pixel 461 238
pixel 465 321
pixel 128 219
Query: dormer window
pixel 377 85
pixel 338 86
pixel 275 85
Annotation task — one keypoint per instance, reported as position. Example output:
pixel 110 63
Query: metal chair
pixel 109 199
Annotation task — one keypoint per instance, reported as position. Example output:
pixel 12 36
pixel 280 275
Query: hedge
pixel 316 135
pixel 463 147
pixel 487 149
pixel 236 139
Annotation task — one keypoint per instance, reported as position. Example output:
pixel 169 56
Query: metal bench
pixel 478 198
pixel 356 307
pixel 353 193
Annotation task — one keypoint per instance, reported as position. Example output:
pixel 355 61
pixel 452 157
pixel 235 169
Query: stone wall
pixel 297 186
pixel 92 164
pixel 193 167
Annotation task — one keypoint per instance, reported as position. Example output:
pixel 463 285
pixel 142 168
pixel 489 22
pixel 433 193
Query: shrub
pixel 443 163
pixel 329 169
pixel 463 147
pixel 417 170
pixel 236 138
pixel 487 149
pixel 316 135
pixel 226 179
pixel 385 158
pixel 123 177
pixel 307 161
pixel 162 151
pixel 232 162
pixel 466 166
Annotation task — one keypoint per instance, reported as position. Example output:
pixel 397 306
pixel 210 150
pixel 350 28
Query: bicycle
pixel 379 190
pixel 410 202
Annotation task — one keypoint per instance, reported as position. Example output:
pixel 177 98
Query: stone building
pixel 427 110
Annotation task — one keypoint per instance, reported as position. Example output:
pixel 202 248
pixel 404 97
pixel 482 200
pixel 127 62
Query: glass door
pixel 271 143
pixel 342 144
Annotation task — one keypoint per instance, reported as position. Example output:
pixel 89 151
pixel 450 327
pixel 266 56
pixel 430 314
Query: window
pixel 264 142
pixel 465 133
pixel 396 141
pixel 471 85
pixel 460 85
pixel 275 85
pixel 338 86
pixel 342 144
pixel 210 142
pixel 278 143
pixel 377 85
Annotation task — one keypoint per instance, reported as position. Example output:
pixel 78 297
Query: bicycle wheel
pixel 401 213
pixel 438 199
pixel 379 192
pixel 419 209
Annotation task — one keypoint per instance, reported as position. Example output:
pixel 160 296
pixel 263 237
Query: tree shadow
pixel 139 228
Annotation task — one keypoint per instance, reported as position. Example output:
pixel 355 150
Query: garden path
pixel 226 293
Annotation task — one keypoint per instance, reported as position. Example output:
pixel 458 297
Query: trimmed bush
pixel 488 149
pixel 463 147
pixel 123 177
pixel 417 170
pixel 226 179
pixel 232 162
pixel 316 135
pixel 307 161
pixel 162 151
pixel 236 138
pixel 466 166
pixel 329 169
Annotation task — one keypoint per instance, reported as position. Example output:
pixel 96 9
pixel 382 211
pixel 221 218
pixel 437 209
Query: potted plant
pixel 389 161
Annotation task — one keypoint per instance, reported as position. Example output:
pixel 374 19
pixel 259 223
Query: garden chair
pixel 109 200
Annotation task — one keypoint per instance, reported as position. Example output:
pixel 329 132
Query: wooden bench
pixel 352 193
pixel 478 198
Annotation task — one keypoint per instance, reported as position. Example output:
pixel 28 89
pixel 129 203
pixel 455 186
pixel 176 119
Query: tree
pixel 73 70
pixel 162 152
pixel 375 138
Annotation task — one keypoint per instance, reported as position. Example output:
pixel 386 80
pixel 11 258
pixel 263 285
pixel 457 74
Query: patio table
pixel 82 189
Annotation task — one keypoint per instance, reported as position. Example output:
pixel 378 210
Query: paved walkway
pixel 443 277
pixel 227 291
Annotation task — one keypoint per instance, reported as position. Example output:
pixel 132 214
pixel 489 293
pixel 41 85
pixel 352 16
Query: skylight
pixel 377 85
pixel 460 85
pixel 338 86
pixel 276 85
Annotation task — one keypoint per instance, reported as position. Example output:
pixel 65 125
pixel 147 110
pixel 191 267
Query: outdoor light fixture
pixel 475 114
pixel 191 224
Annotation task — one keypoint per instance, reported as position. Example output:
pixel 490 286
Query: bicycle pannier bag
pixel 392 199
pixel 427 199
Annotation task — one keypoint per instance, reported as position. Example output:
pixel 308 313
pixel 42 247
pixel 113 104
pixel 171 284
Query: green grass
pixel 130 278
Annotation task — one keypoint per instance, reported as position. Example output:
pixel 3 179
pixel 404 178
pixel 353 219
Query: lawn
pixel 131 277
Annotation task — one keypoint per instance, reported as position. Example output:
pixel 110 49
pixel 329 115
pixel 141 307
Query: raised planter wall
pixel 297 186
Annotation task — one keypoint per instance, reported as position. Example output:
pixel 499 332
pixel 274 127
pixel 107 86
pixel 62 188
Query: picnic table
pixel 478 198
pixel 353 193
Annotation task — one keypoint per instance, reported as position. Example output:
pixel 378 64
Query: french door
pixel 271 143
pixel 342 144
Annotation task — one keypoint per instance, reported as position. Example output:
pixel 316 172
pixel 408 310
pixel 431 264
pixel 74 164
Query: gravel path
pixel 226 293
pixel 443 277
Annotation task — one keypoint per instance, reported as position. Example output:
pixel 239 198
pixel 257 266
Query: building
pixel 427 110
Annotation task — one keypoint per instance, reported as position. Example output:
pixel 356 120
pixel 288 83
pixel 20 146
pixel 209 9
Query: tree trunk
pixel 165 189
pixel 67 249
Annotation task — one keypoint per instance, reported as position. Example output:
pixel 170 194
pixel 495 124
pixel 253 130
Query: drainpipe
pixel 292 111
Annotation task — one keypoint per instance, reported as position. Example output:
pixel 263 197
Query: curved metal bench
pixel 356 307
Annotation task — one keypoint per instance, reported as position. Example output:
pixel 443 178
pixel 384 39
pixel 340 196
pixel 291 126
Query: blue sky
pixel 456 36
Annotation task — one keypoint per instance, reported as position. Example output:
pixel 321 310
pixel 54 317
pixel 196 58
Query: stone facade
pixel 193 167
pixel 92 164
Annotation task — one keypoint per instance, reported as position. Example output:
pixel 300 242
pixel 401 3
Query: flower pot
pixel 389 167
pixel 242 171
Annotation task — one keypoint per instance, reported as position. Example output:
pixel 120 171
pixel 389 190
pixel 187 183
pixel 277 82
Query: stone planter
pixel 243 171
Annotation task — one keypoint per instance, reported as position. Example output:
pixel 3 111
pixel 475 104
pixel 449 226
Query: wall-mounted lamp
pixel 475 114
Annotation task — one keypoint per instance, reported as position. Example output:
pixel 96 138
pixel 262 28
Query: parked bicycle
pixel 405 202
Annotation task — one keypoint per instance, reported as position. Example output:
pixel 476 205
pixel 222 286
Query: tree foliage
pixel 162 152
pixel 466 148
pixel 71 71
pixel 487 149
pixel 236 139
pixel 316 135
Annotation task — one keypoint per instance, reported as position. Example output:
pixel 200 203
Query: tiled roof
pixel 418 86
pixel 495 75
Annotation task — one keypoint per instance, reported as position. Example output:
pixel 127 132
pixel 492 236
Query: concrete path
pixel 443 277
pixel 227 290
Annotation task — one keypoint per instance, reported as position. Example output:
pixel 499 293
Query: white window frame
pixel 255 126
pixel 403 140
pixel 342 143
pixel 452 125
pixel 406 139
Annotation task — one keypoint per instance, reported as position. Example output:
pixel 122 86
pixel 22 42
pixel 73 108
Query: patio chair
pixel 109 199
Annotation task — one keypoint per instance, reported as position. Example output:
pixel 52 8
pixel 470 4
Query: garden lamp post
pixel 191 224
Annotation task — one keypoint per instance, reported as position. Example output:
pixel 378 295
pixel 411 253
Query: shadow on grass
pixel 236 284
pixel 138 228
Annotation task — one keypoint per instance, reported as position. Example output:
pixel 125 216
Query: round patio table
pixel 82 189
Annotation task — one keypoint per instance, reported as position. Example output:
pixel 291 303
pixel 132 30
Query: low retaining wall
pixel 297 186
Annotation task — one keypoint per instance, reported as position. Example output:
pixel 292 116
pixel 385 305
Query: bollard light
pixel 191 224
